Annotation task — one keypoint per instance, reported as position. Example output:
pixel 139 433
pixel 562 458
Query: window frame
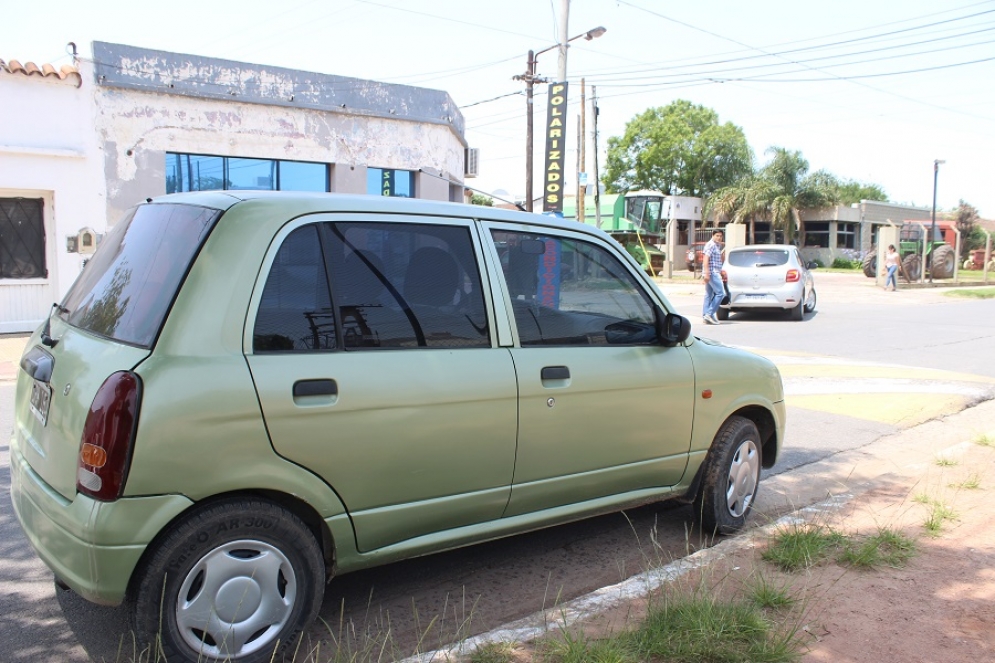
pixel 511 337
pixel 43 260
pixel 226 169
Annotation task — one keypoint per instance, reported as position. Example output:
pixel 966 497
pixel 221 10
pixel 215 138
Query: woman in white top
pixel 892 261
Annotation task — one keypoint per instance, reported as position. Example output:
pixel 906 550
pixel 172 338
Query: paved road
pixel 865 365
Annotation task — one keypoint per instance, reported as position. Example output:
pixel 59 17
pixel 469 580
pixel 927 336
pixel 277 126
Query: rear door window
pixel 126 289
pixel 402 285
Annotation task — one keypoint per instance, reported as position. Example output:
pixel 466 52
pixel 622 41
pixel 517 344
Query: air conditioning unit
pixel 471 162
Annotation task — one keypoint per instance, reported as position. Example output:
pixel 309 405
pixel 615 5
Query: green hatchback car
pixel 245 394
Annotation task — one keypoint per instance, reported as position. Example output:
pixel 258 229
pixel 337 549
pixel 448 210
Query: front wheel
pixel 240 581
pixel 732 476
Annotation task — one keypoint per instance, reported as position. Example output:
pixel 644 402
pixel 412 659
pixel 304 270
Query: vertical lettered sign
pixel 552 193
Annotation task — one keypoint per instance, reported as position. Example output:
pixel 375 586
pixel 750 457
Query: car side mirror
pixel 672 329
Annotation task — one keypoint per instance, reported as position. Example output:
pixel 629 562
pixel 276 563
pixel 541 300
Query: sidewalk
pixel 11 348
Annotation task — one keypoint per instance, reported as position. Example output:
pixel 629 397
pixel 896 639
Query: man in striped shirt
pixel 711 273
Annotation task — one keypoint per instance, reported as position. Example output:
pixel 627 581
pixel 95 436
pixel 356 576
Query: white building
pixel 81 145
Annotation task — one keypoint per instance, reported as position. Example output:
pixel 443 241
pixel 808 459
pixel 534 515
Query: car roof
pixel 308 202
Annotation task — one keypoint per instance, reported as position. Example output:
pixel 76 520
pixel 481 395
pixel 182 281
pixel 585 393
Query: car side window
pixel 406 286
pixel 295 313
pixel 566 291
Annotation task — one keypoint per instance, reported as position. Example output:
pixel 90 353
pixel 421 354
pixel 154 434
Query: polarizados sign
pixel 552 194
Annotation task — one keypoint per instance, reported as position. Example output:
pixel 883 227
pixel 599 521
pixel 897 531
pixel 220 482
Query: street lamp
pixel 932 228
pixel 531 79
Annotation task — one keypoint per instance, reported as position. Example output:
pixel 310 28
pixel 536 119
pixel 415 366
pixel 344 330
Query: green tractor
pixel 940 256
pixel 638 223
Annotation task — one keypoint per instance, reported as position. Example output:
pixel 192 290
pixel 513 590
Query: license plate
pixel 756 297
pixel 41 400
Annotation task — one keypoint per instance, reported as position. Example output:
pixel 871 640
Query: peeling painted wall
pixel 149 103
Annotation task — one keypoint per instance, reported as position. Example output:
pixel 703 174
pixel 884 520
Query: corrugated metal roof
pixel 45 70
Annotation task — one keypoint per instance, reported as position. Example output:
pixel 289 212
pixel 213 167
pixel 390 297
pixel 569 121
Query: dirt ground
pixel 940 606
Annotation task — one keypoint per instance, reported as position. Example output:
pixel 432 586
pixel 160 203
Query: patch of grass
pixel 972 293
pixel 803 547
pixel 494 652
pixel 984 440
pixel 973 482
pixel 887 547
pixel 945 462
pixel 922 498
pixel 765 593
pixel 939 513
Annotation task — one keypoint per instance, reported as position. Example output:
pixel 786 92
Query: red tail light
pixel 108 437
pixel 792 276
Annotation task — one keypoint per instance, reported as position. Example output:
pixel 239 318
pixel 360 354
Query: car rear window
pixel 126 289
pixel 758 258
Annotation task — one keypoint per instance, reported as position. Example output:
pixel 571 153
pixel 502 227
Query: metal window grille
pixel 22 239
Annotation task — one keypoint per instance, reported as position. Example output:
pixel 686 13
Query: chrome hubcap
pixel 744 472
pixel 236 599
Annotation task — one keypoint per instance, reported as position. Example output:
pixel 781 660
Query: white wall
pixel 48 151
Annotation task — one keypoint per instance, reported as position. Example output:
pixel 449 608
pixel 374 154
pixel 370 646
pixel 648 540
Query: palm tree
pixel 778 192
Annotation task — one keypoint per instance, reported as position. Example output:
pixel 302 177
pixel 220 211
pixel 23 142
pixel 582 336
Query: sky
pixel 870 91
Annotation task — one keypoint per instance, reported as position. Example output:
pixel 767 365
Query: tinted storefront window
pixel 192 172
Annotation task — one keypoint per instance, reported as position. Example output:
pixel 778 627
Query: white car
pixel 767 276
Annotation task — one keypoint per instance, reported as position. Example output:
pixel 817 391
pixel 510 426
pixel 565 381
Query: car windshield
pixel 758 258
pixel 126 289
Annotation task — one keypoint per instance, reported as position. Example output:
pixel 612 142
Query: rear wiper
pixel 46 333
pixel 766 264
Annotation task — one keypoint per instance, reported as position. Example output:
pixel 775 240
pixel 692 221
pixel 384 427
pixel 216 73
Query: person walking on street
pixel 892 261
pixel 711 273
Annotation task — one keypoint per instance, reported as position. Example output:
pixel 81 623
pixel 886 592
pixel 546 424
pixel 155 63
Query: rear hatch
pixel 108 322
pixel 759 269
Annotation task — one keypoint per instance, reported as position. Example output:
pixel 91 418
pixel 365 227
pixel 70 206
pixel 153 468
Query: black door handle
pixel 555 373
pixel 303 388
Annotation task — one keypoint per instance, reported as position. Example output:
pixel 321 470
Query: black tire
pixel 912 267
pixel 798 313
pixel 942 262
pixel 236 580
pixel 811 301
pixel 870 263
pixel 722 313
pixel 732 478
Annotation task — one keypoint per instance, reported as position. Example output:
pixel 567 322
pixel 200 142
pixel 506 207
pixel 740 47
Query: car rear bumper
pixel 92 546
pixel 781 298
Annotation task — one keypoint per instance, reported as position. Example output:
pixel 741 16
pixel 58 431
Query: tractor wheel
pixel 870 263
pixel 912 266
pixel 941 263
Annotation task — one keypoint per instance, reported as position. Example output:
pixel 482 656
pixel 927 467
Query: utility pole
pixel 597 175
pixel 581 156
pixel 564 24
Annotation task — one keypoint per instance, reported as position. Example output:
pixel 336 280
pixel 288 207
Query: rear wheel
pixel 942 262
pixel 870 263
pixel 240 580
pixel 798 312
pixel 731 479
pixel 912 267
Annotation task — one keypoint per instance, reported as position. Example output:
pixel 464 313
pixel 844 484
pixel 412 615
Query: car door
pixel 604 408
pixel 369 341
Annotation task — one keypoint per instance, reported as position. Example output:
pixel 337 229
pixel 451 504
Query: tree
pixel 679 149
pixel 852 192
pixel 972 236
pixel 777 193
pixel 481 199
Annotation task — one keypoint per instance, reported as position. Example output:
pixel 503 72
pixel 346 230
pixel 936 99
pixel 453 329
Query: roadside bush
pixel 843 263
